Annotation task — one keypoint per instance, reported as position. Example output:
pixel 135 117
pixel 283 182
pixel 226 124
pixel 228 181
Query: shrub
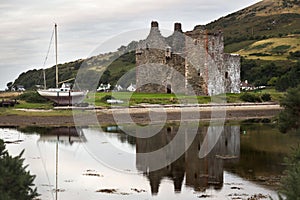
pixel 295 54
pixel 289 118
pixel 15 181
pixel 32 97
pixel 266 97
pixel 260 54
pixel 106 97
pixel 248 97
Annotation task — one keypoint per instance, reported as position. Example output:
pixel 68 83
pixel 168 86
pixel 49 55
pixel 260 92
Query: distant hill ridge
pixel 274 7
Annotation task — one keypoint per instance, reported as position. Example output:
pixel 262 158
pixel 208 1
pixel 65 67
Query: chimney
pixel 177 27
pixel 154 24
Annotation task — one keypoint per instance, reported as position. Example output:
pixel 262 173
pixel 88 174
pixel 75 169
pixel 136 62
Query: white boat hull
pixel 63 97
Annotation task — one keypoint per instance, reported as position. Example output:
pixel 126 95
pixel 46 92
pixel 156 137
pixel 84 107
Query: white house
pixel 131 88
pixel 103 87
pixel 118 88
pixel 246 86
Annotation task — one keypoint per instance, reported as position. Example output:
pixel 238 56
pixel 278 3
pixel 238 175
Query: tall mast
pixel 56 68
pixel 44 73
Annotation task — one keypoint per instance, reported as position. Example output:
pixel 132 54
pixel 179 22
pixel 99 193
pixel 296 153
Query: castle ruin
pixel 189 63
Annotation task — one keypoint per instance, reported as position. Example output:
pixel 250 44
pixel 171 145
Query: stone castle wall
pixel 192 63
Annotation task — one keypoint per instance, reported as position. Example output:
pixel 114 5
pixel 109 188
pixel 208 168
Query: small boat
pixel 64 95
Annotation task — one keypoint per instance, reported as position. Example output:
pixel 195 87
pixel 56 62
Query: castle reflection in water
pixel 187 141
pixel 199 173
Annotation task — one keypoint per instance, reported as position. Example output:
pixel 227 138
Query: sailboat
pixel 64 95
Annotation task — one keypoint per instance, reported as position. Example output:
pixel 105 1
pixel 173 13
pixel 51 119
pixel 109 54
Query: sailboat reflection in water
pixel 65 136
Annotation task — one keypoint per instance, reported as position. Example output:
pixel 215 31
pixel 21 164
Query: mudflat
pixel 143 115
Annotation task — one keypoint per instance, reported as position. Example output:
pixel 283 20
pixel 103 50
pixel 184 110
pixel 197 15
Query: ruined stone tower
pixel 188 63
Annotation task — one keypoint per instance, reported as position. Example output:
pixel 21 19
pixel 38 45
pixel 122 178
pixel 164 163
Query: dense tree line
pixel 34 77
pixel 118 68
pixel 281 75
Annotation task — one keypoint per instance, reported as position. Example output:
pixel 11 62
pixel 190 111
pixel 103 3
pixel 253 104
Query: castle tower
pixel 151 57
pixel 177 40
pixel 197 55
pixel 177 27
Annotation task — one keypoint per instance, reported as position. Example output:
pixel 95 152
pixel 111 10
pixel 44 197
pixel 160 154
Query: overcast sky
pixel 83 25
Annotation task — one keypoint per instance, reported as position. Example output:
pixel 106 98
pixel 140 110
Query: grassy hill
pixel 278 19
pixel 277 48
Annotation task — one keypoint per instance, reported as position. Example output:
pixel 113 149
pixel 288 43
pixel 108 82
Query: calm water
pixel 216 162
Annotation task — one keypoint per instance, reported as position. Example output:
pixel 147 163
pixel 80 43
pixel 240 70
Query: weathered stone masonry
pixel 190 63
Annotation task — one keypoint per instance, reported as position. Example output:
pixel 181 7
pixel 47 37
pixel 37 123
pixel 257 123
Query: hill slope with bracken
pixel 275 23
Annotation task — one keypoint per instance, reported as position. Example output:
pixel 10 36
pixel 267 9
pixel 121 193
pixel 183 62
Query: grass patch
pixel 238 46
pixel 148 98
pixel 272 48
pixel 163 99
pixel 42 113
pixel 233 98
pixel 9 95
pixel 26 105
pixel 275 95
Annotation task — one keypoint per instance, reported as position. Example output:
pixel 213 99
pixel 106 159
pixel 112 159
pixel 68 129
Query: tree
pixel 105 78
pixel 272 81
pixel 15 181
pixel 289 79
pixel 291 182
pixel 9 86
pixel 289 118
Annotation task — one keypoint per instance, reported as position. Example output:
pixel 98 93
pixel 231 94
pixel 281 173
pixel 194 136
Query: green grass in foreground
pixel 148 98
pixel 163 99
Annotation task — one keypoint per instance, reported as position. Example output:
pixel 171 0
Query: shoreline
pixel 140 114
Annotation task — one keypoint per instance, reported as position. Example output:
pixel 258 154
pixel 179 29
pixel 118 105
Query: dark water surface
pixel 231 162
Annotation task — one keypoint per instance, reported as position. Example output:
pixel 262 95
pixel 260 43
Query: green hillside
pixel 34 77
pixel 110 67
pixel 266 19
